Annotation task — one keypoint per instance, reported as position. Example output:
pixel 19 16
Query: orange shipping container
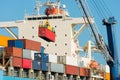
pixel 84 72
pixel 32 45
pixel 107 76
pixel 72 70
pixel 12 51
pixel 17 62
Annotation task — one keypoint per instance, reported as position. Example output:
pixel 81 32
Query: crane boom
pixel 98 38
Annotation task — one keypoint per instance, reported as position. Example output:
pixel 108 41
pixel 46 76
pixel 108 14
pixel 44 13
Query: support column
pixel 48 75
pixel 71 77
pixel 64 77
pixel 21 73
pixel 10 71
pixel 56 76
pixel 31 74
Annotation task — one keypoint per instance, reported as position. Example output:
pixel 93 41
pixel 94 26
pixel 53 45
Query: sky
pixel 11 10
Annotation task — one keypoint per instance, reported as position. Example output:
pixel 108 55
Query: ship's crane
pixel 110 52
pixel 100 44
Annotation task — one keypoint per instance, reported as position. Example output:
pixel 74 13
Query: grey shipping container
pixel 54 67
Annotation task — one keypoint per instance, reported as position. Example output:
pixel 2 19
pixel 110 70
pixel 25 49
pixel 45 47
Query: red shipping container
pixel 32 45
pixel 84 72
pixel 13 51
pixel 17 61
pixel 46 34
pixel 72 70
pixel 27 63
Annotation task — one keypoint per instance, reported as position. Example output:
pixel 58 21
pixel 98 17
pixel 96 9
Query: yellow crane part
pixel 4 40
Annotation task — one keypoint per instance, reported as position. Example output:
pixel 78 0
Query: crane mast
pixel 98 38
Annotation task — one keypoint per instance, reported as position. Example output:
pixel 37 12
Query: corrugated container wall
pixel 12 51
pixel 32 45
pixel 27 63
pixel 37 56
pixel 1 75
pixel 36 65
pixel 46 34
pixel 45 57
pixel 52 58
pixel 15 43
pixel 45 66
pixel 71 61
pixel 54 67
pixel 17 61
pixel 84 72
pixel 72 70
pixel 29 54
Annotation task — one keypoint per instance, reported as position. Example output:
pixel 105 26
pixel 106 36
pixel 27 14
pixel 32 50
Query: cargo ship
pixel 47 48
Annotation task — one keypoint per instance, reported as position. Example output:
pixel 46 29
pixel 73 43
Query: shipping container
pixel 61 60
pixel 71 61
pixel 71 70
pixel 17 61
pixel 36 65
pixel 67 60
pixel 37 56
pixel 12 51
pixel 46 34
pixel 1 75
pixel 52 58
pixel 29 54
pixel 32 45
pixel 4 40
pixel 84 72
pixel 27 63
pixel 15 43
pixel 45 66
pixel 44 57
pixel 59 68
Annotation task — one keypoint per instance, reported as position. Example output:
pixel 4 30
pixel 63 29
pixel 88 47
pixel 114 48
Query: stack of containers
pixel 24 49
pixel 2 49
pixel 71 65
pixel 14 50
pixel 44 60
pixel 107 72
pixel 54 66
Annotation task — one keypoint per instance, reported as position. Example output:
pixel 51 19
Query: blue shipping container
pixel 37 56
pixel 42 49
pixel 1 75
pixel 45 66
pixel 36 65
pixel 45 57
pixel 16 43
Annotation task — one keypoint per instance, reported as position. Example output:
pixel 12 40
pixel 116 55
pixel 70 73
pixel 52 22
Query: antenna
pixel 38 7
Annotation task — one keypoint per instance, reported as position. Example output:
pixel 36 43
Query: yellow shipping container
pixel 107 76
pixel 4 40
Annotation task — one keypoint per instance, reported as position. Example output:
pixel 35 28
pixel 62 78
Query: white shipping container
pixel 52 58
pixel 107 69
pixel 29 54
pixel 71 61
pixel 1 50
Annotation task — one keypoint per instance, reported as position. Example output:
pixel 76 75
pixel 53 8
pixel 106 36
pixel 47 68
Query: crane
pixel 109 51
